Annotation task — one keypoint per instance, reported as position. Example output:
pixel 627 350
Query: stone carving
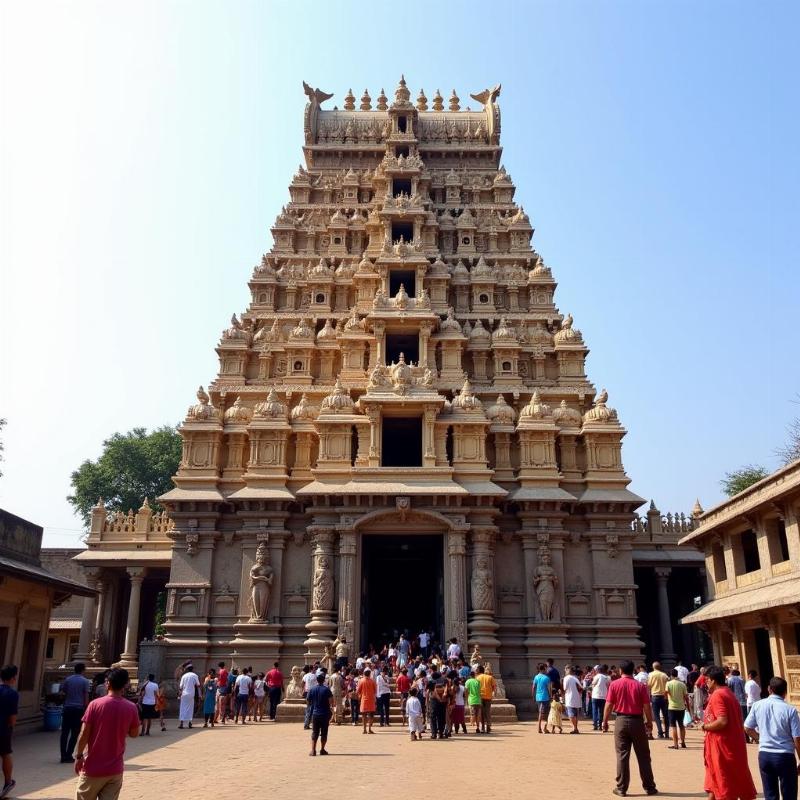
pixel 322 596
pixel 191 543
pixel 294 689
pixel 482 585
pixel 328 655
pixel 545 582
pixel 261 578
pixel 403 505
pixel 476 658
pixel 96 647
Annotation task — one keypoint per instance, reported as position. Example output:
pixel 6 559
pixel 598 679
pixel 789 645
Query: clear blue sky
pixel 146 149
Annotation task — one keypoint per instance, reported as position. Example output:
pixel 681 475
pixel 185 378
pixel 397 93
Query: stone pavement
pixel 227 763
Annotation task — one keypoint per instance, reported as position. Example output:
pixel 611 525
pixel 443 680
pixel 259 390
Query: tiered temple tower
pixel 402 433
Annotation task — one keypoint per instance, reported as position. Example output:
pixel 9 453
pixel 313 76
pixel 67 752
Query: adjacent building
pixel 751 544
pixel 28 593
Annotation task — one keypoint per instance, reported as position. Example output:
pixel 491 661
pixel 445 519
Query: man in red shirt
pixel 222 693
pixel 274 681
pixel 630 699
pixel 101 746
pixel 403 685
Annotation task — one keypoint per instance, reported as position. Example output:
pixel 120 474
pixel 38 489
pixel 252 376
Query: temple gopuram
pixel 402 434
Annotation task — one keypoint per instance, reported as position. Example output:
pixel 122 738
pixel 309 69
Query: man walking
pixel 242 688
pixel 9 707
pixel 274 681
pixel 677 706
pixel 488 687
pixel 629 699
pixel 101 745
pixel 188 694
pixel 775 725
pixel 309 682
pixel 367 692
pixel 572 697
pixel 542 689
pixel 384 696
pixel 736 685
pixel 320 700
pixel 553 674
pixel 600 684
pixel 76 697
pixel 657 684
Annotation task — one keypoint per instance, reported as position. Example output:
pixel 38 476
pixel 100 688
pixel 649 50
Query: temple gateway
pixel 402 434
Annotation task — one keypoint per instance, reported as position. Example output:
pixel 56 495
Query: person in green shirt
pixel 473 690
pixel 677 705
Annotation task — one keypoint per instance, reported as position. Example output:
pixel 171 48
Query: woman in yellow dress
pixel 554 717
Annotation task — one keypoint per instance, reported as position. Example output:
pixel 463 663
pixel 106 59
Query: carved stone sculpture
pixel 545 582
pixel 323 585
pixel 482 585
pixel 294 689
pixel 261 578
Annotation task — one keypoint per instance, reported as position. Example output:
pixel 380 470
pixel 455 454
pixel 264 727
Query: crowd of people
pixel 442 693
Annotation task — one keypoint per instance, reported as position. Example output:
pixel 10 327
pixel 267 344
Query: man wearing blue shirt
pixel 542 690
pixel 775 725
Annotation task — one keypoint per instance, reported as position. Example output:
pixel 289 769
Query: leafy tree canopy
pixel 132 466
pixel 738 480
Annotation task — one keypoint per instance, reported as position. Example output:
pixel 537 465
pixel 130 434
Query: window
pixel 51 645
pixel 506 366
pixel 72 647
pixel 401 442
pixel 401 186
pixel 465 240
pixel 718 556
pixel 29 662
pixel 337 239
pixel 401 150
pixel 783 542
pixel 408 277
pixel 298 366
pixel 749 545
pixel 484 298
pixel 402 124
pixel 404 229
pixel 320 298
pixel 405 343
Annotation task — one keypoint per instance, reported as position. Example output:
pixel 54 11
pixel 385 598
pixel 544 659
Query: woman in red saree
pixel 725 753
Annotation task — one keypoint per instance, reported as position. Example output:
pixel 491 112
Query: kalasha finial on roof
pixel 366 101
pixel 454 102
pixel 422 101
pixel 438 101
pixel 697 509
pixel 401 94
pixel 382 101
pixel 349 101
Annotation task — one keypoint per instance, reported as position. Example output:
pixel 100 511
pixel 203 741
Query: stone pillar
pixel 322 626
pixel 87 621
pixel 456 622
pixel 276 545
pixel 428 451
pixel 482 627
pixel 667 655
pixel 130 656
pixel 529 556
pixel 347 577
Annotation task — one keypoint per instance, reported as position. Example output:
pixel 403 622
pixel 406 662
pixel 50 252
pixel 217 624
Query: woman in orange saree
pixel 725 752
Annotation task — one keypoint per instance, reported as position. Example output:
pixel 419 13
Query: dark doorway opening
pixel 405 343
pixel 389 561
pixel 766 670
pixel 406 277
pixel 402 124
pixel 401 186
pixel 404 229
pixel 401 444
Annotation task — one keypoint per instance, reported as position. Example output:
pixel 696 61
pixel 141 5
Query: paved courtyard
pixel 514 763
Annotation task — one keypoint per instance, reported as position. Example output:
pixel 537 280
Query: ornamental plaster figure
pixel 323 585
pixel 294 689
pixel 476 658
pixel 261 578
pixel 327 656
pixel 482 585
pixel 545 582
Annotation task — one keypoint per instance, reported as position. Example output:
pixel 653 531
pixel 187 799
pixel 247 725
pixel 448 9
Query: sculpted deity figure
pixel 476 657
pixel 261 577
pixel 482 585
pixel 427 378
pixel 327 656
pixel 294 689
pixel 323 585
pixel 545 581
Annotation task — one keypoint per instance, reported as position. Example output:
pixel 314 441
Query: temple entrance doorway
pixel 402 587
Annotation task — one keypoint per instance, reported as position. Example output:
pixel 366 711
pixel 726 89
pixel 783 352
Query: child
pixel 415 716
pixel 161 707
pixel 556 710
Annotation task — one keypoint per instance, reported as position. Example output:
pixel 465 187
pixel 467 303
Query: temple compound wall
pixel 401 432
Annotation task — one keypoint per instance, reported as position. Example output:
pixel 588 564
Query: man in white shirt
pixel 641 674
pixel 453 649
pixel 600 684
pixel 147 703
pixel 242 689
pixel 683 673
pixel 188 692
pixel 309 682
pixel 752 690
pixel 424 642
pixel 384 696
pixel 572 697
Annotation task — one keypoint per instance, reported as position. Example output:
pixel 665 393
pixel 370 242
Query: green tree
pixel 132 466
pixel 738 480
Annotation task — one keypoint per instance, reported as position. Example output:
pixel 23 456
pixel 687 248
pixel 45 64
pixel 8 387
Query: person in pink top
pixel 107 722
